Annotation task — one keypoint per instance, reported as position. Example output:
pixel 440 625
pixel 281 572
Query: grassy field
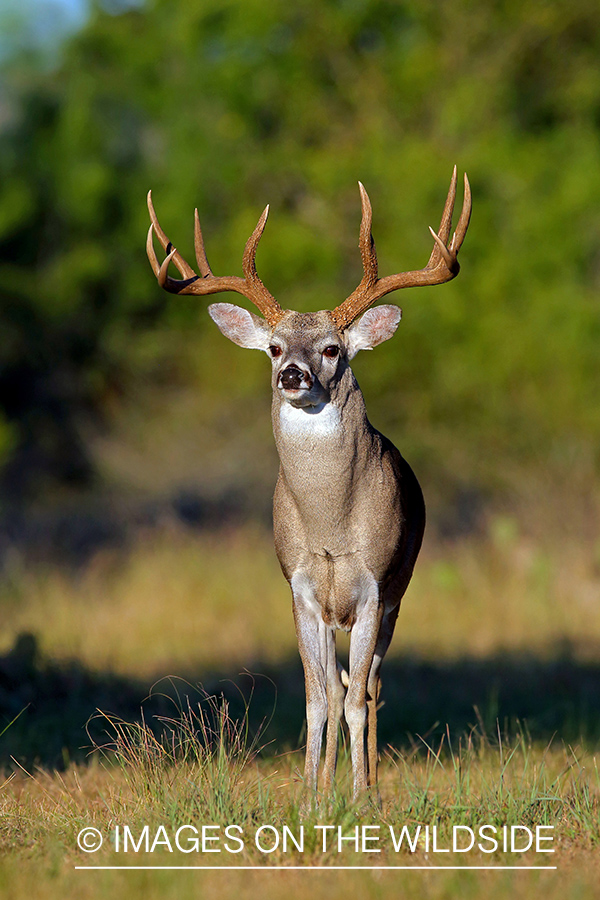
pixel 491 693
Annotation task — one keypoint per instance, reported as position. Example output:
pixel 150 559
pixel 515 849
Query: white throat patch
pixel 322 420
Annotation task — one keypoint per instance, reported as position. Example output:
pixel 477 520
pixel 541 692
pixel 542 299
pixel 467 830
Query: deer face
pixel 308 352
pixel 307 355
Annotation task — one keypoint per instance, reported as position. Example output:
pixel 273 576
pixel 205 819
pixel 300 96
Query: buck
pixel 348 512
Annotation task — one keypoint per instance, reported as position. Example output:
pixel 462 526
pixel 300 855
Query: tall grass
pixel 200 768
pixel 193 765
pixel 501 779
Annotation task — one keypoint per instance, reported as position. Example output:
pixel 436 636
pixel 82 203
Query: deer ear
pixel 374 327
pixel 240 326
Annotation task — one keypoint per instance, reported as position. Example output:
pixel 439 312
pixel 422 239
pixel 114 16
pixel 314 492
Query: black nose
pixel 291 378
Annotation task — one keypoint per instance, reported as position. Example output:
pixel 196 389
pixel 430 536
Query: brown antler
pixel 442 266
pixel 206 283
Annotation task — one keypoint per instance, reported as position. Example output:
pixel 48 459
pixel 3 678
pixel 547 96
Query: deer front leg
pixel 312 644
pixel 363 641
pixel 335 707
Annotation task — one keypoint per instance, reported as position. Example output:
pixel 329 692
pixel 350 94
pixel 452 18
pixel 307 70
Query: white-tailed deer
pixel 348 512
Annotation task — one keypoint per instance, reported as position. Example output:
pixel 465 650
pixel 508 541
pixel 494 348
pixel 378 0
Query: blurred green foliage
pixel 226 105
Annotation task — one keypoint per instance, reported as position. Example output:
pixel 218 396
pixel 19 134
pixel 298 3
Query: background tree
pixel 228 105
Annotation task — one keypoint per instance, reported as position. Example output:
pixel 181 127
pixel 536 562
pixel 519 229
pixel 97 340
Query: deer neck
pixel 323 450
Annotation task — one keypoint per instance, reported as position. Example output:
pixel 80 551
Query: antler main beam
pixel 442 266
pixel 250 286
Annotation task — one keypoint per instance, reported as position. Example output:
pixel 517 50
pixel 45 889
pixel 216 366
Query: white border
pixel 307 868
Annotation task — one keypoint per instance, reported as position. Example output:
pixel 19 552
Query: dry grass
pixel 169 784
pixel 503 592
pixel 178 602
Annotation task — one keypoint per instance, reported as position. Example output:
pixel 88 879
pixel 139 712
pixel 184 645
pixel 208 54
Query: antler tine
pixel 442 266
pixel 162 275
pixel 465 217
pixel 249 257
pixel 250 286
pixel 261 297
pixel 441 238
pixel 366 242
pixel 166 244
pixel 446 221
pixel 201 259
pixel 150 252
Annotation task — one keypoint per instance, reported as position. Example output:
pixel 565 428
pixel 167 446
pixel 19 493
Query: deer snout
pixel 293 379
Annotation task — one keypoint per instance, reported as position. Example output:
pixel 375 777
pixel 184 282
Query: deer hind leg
pixel 373 689
pixel 384 637
pixel 335 707
pixel 363 641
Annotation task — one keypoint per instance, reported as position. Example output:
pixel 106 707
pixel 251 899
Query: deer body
pixel 348 512
pixel 348 519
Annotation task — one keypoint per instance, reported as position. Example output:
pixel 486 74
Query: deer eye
pixel 331 352
pixel 275 351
